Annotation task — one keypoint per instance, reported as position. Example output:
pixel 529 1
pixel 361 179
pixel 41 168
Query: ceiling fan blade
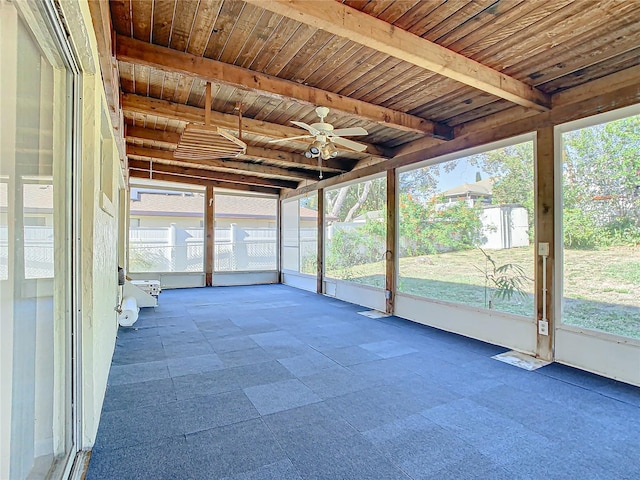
pixel 276 140
pixel 307 127
pixel 358 147
pixel 350 132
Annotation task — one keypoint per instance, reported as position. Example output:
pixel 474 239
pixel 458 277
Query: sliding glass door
pixel 35 248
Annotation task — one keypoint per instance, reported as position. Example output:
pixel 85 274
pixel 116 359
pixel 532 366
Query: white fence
pixel 174 249
pixel 38 252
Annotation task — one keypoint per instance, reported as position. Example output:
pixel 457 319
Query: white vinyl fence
pixel 38 252
pixel 175 249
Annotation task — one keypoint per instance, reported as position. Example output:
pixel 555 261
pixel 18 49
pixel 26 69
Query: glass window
pixel 466 230
pixel 245 233
pixel 308 223
pixel 300 234
pixel 355 233
pixel 290 236
pixel 165 230
pixel 601 227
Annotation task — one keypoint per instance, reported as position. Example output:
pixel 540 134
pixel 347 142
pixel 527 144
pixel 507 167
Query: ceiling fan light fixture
pixel 329 150
pixel 315 147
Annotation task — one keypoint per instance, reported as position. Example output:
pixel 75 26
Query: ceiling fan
pixel 326 138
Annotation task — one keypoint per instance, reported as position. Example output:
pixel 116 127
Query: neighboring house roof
pixel 38 198
pixel 229 206
pixel 482 188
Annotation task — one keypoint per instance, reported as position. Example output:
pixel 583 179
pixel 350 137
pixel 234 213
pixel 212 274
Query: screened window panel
pixel 245 233
pixel 466 230
pixel 355 232
pixel 308 234
pixel 290 238
pixel 601 227
pixel 166 232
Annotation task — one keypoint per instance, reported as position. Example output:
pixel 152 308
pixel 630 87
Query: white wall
pixel 223 279
pixel 99 267
pixel 99 226
pixel 511 331
pixel 600 353
pixel 172 279
pixel 359 294
pixel 300 280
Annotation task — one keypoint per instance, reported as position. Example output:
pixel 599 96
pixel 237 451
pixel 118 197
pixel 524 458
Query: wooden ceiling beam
pixel 170 139
pixel 612 100
pixel 167 155
pixel 186 113
pixel 586 93
pixel 599 87
pixel 615 81
pixel 344 21
pixel 143 53
pixel 280 157
pixel 167 177
pixel 211 175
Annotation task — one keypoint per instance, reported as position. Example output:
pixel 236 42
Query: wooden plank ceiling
pixel 413 73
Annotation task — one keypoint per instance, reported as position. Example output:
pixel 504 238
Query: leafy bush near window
pixel 427 229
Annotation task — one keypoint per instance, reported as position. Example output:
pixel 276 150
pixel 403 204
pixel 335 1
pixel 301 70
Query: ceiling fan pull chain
pixel 320 164
pixel 239 108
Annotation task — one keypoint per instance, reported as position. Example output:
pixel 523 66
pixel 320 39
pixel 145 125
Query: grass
pixel 601 287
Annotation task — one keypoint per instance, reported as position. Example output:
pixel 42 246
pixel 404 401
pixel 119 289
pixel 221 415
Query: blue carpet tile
pixel 273 383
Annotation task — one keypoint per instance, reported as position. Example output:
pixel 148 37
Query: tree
pixel 421 183
pixel 346 203
pixel 361 199
pixel 602 170
pixel 601 192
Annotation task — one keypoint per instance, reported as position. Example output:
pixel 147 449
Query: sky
pixel 464 172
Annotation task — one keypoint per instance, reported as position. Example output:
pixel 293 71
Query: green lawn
pixel 601 289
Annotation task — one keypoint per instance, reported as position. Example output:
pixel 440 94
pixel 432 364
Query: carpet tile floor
pixel 271 382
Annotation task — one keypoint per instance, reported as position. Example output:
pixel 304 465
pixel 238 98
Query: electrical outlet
pixel 543 327
pixel 543 249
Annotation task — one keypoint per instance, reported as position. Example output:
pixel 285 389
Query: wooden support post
pixel 544 225
pixel 391 253
pixel 320 273
pixel 279 242
pixel 210 236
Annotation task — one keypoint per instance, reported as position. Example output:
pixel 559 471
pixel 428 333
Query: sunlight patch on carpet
pixel 521 360
pixel 374 314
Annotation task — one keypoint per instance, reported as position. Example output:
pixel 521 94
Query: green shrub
pixel 354 247
pixel 623 231
pixel 580 230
